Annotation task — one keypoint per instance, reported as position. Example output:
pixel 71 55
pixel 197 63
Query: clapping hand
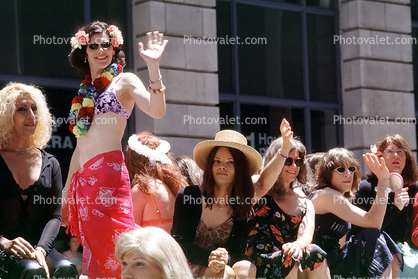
pixel 287 134
pixel 218 259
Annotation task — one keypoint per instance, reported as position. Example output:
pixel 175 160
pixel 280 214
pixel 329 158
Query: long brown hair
pixel 243 189
pixel 410 171
pixel 142 172
pixel 304 175
pixel 334 158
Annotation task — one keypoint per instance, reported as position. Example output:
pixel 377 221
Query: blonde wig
pixel 157 246
pixel 8 97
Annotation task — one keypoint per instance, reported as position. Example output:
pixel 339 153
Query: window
pixel 283 63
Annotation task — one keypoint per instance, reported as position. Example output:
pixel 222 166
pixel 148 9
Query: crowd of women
pixel 226 213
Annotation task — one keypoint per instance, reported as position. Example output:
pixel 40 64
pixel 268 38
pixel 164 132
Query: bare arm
pixel 151 103
pixel 305 233
pixel 272 171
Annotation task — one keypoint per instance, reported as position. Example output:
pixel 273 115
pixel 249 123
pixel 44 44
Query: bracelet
pixel 154 82
pixel 387 189
pixel 280 153
pixel 156 91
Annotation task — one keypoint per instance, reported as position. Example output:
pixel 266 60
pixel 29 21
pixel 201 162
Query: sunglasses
pixel 289 162
pixel 94 46
pixel 341 170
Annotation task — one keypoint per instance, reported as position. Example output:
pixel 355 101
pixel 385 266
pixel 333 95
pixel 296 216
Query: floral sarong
pixel 100 206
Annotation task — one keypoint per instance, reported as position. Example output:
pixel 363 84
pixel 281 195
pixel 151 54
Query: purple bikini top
pixel 107 102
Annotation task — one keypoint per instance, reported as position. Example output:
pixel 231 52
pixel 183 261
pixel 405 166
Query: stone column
pixel 188 67
pixel 376 72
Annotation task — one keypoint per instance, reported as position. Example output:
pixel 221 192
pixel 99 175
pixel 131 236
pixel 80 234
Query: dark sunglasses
pixel 289 162
pixel 94 46
pixel 341 170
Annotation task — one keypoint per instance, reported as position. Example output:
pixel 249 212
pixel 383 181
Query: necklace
pixel 82 106
pixel 21 150
pixel 220 206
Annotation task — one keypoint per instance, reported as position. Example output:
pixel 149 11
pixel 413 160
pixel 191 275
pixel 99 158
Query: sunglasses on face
pixel 104 45
pixel 289 162
pixel 341 170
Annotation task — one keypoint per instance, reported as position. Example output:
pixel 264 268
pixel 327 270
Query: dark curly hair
pixel 77 56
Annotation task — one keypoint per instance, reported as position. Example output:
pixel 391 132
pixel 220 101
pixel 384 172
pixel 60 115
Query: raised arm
pixel 272 171
pixel 152 103
pixel 331 201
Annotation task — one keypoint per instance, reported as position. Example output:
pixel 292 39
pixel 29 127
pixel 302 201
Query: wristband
pixel 279 152
pixel 387 189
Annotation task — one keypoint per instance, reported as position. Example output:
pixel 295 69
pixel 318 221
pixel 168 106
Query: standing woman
pixel 210 219
pixel 98 181
pixel 370 253
pixel 30 188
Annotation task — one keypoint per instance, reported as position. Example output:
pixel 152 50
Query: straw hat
pixel 227 138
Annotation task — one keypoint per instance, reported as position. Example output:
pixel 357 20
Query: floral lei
pixel 82 106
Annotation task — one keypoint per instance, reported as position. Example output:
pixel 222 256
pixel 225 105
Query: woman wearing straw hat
pixel 210 219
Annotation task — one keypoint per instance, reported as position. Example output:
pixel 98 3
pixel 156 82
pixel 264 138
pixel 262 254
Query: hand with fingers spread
pixel 376 165
pixel 218 259
pixel 155 47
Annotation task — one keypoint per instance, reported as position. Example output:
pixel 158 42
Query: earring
pixel 85 59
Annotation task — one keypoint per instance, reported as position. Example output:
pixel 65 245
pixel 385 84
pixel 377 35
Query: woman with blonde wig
pixel 151 253
pixel 30 188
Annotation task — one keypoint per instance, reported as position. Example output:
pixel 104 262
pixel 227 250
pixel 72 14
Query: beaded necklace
pixel 82 106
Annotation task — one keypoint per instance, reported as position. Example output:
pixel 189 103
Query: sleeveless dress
pixel 366 254
pixel 271 228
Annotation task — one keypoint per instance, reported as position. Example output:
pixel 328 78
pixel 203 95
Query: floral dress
pixel 271 228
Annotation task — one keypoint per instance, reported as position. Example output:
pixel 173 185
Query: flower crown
pixel 82 38
pixel 158 154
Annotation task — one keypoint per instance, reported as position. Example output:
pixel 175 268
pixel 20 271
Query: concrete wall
pixel 376 72
pixel 188 68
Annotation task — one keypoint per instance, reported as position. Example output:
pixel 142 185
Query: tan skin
pixel 106 131
pixel 26 169
pixel 223 171
pixel 144 209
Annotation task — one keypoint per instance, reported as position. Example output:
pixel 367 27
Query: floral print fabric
pixel 271 228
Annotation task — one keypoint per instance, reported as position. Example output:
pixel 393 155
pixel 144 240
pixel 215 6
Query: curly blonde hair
pixel 8 97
